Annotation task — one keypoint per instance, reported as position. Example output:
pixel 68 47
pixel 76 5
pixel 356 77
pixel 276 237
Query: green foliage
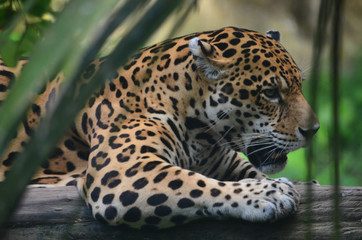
pixel 21 23
pixel 81 20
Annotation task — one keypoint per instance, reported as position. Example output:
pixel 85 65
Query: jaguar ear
pixel 274 35
pixel 207 59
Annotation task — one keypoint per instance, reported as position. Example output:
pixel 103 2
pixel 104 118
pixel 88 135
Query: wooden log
pixel 59 213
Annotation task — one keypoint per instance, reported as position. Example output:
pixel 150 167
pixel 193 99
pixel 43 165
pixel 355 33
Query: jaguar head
pixel 255 100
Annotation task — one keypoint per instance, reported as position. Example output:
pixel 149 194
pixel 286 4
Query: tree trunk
pixel 59 213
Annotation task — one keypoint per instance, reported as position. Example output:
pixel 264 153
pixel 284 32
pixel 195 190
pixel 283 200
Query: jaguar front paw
pixel 269 200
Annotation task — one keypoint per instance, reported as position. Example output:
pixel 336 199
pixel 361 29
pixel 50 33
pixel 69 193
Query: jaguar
pixel 159 144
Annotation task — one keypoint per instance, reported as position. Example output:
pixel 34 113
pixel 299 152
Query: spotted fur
pixel 158 145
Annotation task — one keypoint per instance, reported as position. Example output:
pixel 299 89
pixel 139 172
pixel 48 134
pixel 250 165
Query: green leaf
pixel 8 50
pixel 28 41
pixel 6 13
pixel 40 8
pixel 63 44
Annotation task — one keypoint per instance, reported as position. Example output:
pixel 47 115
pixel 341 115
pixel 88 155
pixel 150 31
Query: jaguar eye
pixel 271 93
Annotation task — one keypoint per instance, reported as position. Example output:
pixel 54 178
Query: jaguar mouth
pixel 266 157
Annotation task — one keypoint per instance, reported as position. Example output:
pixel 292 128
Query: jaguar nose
pixel 308 133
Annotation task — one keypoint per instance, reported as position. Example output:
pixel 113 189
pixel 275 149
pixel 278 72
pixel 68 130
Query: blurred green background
pixel 296 20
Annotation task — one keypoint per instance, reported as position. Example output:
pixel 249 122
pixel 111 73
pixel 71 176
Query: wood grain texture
pixel 59 213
